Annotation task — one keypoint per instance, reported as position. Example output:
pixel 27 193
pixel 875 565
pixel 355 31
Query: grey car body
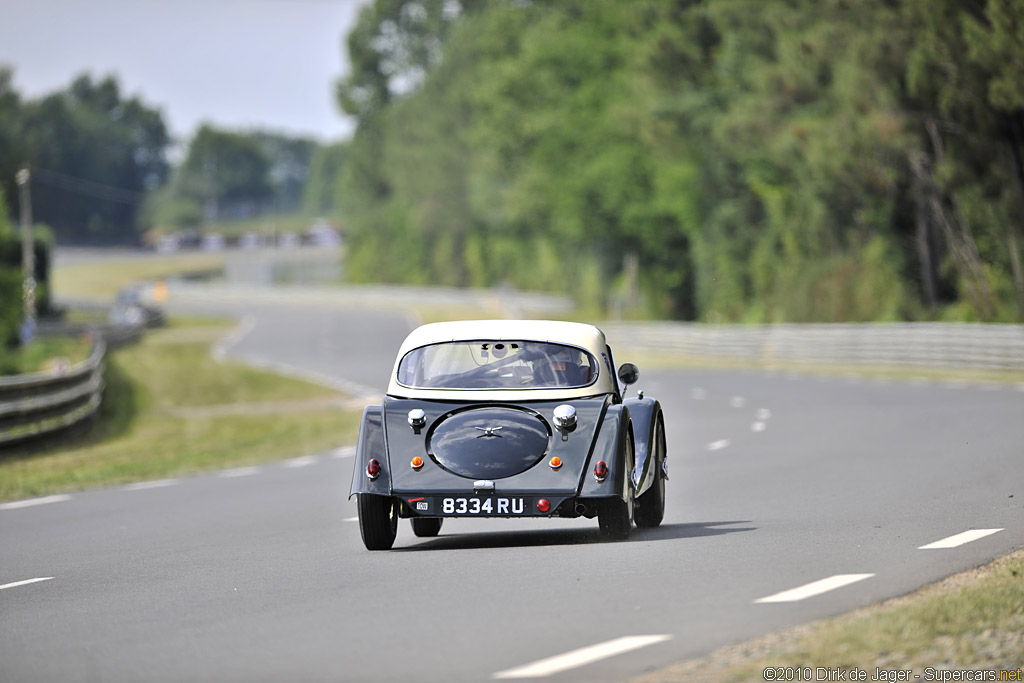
pixel 509 436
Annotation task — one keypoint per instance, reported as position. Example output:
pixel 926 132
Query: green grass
pixel 163 416
pixel 103 279
pixel 973 620
pixel 43 353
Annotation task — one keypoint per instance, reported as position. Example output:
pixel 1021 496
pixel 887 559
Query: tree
pixel 228 172
pixel 93 154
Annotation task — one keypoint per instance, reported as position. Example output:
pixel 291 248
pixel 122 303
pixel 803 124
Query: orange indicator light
pixel 555 463
pixel 417 463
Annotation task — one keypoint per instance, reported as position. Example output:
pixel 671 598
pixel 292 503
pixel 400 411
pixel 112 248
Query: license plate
pixel 489 505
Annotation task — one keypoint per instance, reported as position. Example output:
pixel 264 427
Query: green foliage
pixel 93 154
pixel 809 160
pixel 229 175
pixel 319 195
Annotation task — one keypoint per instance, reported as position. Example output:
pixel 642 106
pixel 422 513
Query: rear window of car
pixel 497 365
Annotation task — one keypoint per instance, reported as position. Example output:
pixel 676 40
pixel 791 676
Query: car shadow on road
pixel 583 536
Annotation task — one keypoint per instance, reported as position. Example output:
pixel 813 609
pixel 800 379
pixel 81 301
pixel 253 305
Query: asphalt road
pixel 777 482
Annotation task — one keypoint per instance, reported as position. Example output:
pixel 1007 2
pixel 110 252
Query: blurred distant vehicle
pixel 508 418
pixel 323 234
pixel 249 240
pixel 288 240
pixel 167 244
pixel 131 309
pixel 188 239
pixel 213 242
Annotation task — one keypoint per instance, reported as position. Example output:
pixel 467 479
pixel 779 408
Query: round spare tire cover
pixel 490 443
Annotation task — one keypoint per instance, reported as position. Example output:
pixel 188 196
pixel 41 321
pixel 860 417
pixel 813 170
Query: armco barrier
pixel 41 403
pixel 922 345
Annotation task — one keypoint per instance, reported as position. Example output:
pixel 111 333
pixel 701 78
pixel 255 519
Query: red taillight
pixel 601 470
pixel 373 468
pixel 543 505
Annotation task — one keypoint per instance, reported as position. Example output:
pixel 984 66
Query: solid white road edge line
pixel 581 657
pixel 25 582
pixel 247 325
pixel 960 539
pixel 815 588
pixel 718 445
pixel 34 501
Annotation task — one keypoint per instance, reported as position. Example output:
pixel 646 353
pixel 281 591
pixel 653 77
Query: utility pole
pixel 28 255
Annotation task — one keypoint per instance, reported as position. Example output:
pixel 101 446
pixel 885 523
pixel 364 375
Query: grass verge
pixel 970 621
pixel 170 410
pixel 103 279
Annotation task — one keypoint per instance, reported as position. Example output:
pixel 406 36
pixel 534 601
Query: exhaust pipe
pixel 581 509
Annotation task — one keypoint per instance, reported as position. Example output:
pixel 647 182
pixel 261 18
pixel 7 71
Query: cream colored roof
pixel 582 335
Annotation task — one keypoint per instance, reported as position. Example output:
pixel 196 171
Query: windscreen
pixel 497 365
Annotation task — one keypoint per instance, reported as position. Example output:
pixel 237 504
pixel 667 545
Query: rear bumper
pixel 498 505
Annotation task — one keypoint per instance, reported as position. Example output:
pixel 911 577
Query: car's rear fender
pixel 608 448
pixel 371 446
pixel 644 413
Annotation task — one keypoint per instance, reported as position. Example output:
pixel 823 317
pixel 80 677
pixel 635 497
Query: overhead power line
pixel 87 188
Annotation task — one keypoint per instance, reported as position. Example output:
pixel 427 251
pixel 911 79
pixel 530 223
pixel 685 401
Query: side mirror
pixel 628 373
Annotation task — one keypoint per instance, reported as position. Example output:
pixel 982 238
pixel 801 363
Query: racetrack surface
pixel 778 481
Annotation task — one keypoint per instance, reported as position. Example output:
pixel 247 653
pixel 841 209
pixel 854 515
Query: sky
pixel 236 64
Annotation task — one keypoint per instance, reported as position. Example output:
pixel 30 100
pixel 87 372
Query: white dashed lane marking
pixel 581 657
pixel 737 401
pixel 239 472
pixel 304 461
pixel 25 582
pixel 34 501
pixel 144 485
pixel 758 426
pixel 718 445
pixel 763 414
pixel 960 539
pixel 815 588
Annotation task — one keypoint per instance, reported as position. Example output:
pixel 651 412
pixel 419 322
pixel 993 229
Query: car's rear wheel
pixel 426 527
pixel 616 514
pixel 650 507
pixel 378 521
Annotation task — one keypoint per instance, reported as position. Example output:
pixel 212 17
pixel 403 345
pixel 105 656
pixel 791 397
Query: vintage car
pixel 508 418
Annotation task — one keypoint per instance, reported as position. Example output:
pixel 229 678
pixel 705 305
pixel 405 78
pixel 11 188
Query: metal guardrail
pixel 935 345
pixel 41 403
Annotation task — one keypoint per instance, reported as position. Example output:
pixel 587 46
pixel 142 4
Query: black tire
pixel 378 521
pixel 650 507
pixel 616 514
pixel 426 527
